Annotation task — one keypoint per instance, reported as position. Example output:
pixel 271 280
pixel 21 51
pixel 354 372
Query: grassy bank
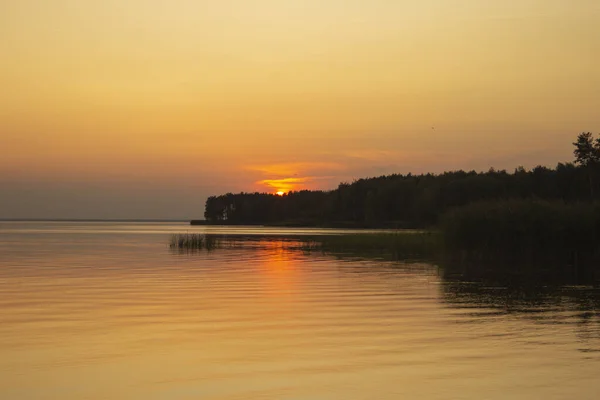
pixel 547 239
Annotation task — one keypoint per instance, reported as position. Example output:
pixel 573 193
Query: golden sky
pixel 109 104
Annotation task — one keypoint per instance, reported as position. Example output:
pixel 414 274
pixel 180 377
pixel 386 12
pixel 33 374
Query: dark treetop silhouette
pixel 587 154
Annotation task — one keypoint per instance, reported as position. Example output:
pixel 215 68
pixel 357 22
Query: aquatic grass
pixel 523 237
pixel 192 241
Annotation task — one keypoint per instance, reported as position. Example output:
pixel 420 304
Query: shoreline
pixel 297 224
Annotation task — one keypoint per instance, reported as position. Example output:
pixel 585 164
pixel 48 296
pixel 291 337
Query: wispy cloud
pixel 296 168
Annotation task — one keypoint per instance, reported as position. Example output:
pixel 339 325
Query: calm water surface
pixel 107 311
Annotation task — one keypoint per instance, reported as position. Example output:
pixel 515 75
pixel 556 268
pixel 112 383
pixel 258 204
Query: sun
pixel 280 193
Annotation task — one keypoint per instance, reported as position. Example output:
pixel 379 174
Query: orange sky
pixel 142 108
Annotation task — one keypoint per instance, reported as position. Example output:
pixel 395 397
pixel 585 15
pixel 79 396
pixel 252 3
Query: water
pixel 107 311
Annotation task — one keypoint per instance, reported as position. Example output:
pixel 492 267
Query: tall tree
pixel 587 154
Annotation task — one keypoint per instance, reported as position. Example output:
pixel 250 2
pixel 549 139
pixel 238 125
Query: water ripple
pixel 107 311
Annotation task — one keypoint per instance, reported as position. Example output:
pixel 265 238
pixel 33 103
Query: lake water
pixel 108 311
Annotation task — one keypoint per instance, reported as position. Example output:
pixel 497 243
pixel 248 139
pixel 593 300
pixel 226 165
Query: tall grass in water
pixel 192 241
pixel 523 237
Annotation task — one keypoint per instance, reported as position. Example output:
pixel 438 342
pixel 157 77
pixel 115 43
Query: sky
pixel 143 108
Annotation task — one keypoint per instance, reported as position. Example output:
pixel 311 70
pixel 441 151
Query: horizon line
pixel 91 220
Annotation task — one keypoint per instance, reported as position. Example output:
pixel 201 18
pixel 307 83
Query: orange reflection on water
pixel 118 316
pixel 280 266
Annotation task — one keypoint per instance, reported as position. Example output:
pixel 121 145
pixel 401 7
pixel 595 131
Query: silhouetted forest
pixel 412 201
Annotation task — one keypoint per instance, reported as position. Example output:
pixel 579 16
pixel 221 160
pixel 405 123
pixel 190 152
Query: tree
pixel 587 150
pixel 587 154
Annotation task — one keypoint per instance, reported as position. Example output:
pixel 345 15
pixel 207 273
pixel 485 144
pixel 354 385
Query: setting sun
pixel 280 193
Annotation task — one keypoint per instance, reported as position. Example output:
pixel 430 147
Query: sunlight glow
pixel 280 193
pixel 285 184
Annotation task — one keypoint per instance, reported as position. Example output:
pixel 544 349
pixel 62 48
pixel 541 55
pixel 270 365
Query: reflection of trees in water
pixel 548 305
pixel 588 324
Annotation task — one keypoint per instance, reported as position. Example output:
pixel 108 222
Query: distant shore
pixel 307 224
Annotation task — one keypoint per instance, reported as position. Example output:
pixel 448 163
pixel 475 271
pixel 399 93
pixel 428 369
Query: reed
pixel 192 241
pixel 523 236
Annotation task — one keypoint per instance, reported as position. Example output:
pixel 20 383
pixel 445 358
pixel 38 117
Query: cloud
pixel 296 168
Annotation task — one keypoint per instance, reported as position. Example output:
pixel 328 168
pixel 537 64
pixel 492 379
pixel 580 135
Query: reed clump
pixel 192 241
pixel 523 236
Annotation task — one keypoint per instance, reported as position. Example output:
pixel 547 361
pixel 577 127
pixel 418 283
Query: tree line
pixel 413 201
